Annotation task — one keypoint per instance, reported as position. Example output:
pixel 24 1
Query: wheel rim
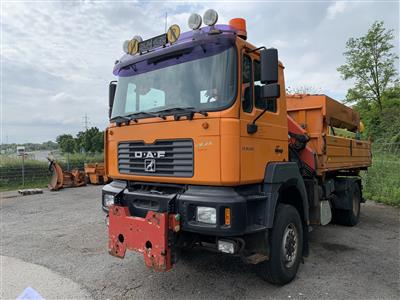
pixel 290 244
pixel 356 207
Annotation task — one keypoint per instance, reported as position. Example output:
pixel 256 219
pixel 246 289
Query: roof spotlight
pixel 132 46
pixel 138 38
pixel 125 46
pixel 173 33
pixel 194 21
pixel 210 17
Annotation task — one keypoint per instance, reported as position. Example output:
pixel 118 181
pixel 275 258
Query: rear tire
pixel 351 216
pixel 286 245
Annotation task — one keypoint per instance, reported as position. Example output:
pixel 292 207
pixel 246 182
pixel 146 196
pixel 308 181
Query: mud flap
pixel 148 236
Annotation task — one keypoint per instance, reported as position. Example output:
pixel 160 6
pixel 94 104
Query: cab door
pixel 270 141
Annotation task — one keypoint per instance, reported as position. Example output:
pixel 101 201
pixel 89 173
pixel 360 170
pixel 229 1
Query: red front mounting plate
pixel 147 235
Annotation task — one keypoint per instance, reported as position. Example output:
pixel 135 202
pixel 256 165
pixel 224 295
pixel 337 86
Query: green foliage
pixel 370 62
pixel 89 141
pixel 376 94
pixel 382 126
pixel 382 180
pixel 303 89
pixel 66 142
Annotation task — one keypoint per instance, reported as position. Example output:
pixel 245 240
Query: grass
pixel 382 181
pixel 40 183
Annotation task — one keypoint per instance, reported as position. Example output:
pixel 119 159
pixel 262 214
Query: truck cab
pixel 199 151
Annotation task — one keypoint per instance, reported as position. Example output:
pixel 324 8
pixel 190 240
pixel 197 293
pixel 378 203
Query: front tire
pixel 286 245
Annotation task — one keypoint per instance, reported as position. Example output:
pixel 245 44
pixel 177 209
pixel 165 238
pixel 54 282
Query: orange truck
pixel 205 149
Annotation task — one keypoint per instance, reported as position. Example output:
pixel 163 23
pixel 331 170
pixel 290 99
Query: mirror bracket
pixel 252 127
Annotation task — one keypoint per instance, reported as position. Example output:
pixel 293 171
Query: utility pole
pixel 166 18
pixel 86 121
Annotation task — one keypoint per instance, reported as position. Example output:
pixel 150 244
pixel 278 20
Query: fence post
pixel 23 170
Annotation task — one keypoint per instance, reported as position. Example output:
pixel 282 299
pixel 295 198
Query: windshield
pixel 203 84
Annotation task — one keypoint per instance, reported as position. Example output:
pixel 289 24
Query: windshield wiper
pixel 120 120
pixel 182 112
pixel 145 113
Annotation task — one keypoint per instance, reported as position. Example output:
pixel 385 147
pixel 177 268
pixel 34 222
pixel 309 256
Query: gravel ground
pixel 65 232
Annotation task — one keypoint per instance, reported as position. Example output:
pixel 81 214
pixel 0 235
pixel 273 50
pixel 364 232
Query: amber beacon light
pixel 240 25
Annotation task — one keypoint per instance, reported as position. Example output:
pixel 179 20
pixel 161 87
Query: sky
pixel 57 56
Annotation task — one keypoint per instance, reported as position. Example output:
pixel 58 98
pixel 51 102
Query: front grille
pixel 163 158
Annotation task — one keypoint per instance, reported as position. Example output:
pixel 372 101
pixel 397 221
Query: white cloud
pixel 57 57
pixel 336 8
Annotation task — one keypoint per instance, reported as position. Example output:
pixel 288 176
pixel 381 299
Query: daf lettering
pixel 149 154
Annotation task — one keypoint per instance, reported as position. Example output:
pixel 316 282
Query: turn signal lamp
pixel 210 17
pixel 227 216
pixel 194 21
pixel 240 25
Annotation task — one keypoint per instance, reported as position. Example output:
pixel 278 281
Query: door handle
pixel 278 149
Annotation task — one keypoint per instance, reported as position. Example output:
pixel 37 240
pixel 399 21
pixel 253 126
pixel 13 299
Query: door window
pixel 247 88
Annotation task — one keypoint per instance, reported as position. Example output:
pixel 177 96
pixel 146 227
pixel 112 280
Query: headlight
pixel 108 200
pixel 206 215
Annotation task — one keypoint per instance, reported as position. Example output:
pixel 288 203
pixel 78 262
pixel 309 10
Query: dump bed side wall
pixel 315 113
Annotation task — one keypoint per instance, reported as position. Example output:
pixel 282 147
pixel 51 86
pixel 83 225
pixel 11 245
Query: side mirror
pixel 271 90
pixel 269 65
pixel 111 94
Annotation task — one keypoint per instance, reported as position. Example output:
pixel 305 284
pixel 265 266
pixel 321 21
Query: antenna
pixel 166 18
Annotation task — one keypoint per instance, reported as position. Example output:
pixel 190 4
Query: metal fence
pixel 382 180
pixel 20 173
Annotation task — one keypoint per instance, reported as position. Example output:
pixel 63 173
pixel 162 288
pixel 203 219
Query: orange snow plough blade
pixel 60 179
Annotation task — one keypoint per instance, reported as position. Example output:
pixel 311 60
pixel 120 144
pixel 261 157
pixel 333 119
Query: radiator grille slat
pixel 175 158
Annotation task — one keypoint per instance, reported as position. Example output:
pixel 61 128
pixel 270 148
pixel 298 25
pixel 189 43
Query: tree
pixel 90 141
pixel 66 143
pixel 370 62
pixel 303 89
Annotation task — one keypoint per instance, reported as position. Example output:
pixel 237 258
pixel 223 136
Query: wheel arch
pixel 283 183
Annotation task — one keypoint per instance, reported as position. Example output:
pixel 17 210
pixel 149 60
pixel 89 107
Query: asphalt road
pixel 64 232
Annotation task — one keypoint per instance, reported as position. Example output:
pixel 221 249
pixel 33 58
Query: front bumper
pixel 248 208
pixel 151 220
pixel 148 236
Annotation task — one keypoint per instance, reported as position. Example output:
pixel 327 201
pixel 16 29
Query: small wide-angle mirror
pixel 111 94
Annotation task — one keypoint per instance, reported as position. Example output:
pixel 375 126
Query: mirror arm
pixel 252 127
pixel 259 116
pixel 256 49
